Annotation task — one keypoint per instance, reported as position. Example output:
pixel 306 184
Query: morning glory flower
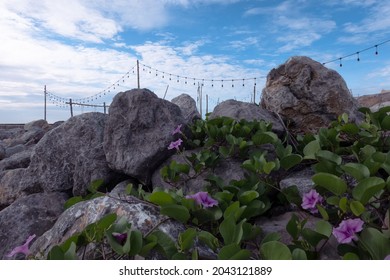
pixel 346 231
pixel 204 199
pixel 120 237
pixel 387 257
pixel 310 200
pixel 177 130
pixel 175 145
pixel 23 249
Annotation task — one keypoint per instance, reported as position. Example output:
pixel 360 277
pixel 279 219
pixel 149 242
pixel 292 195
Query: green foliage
pixel 351 162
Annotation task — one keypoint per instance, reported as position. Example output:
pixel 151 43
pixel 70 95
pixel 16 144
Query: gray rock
pixel 138 132
pixel 10 133
pixel 278 224
pixel 226 169
pixel 71 156
pixel 242 110
pixel 307 94
pixel 187 106
pixel 3 153
pixel 15 149
pixel 143 216
pixel 42 124
pixel 301 179
pixel 30 215
pixel 18 160
pixel 15 184
pixel 33 135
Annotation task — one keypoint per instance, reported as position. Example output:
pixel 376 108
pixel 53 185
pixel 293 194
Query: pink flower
pixel 346 231
pixel 203 198
pixel 120 237
pixel 177 130
pixel 310 200
pixel 23 249
pixel 175 144
pixel 387 257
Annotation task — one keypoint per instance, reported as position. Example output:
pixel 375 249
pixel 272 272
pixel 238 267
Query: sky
pixel 87 51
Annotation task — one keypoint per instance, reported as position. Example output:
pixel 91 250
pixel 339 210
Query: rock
pixel 71 156
pixel 42 124
pixel 141 215
pixel 18 160
pixel 307 94
pixel 15 184
pixel 227 169
pixel 301 179
pixel 278 224
pixel 187 106
pixel 33 135
pixel 138 132
pixel 30 215
pixel 15 149
pixel 10 133
pixel 242 110
pixel 3 153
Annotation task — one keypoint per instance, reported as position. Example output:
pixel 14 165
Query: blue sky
pixel 81 49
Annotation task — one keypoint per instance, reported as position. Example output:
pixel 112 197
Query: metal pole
pixel 71 108
pixel 44 92
pixel 254 94
pixel 165 94
pixel 104 105
pixel 207 103
pixel 138 83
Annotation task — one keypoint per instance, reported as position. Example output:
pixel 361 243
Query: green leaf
pixel 356 170
pixel 330 182
pixel 292 227
pixel 323 155
pixel 248 196
pixel 375 243
pixel 186 239
pixel 72 201
pixel 95 185
pixel 161 198
pixel 324 227
pixel 70 254
pixel 56 253
pixel 177 212
pixel 299 254
pixel 311 149
pixel 351 256
pixel 343 204
pixel 269 166
pixel 261 138
pixel 313 237
pixel 367 188
pixel 233 252
pixel 136 242
pixel 323 212
pixel 230 231
pixel 350 128
pixel 290 161
pixel 357 208
pixel 166 243
pixel 272 236
pixel 210 240
pixel 234 210
pixel 275 250
pixel 385 124
pixel 292 195
pixel 207 215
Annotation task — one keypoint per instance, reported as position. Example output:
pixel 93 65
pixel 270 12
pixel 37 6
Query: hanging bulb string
pixel 357 53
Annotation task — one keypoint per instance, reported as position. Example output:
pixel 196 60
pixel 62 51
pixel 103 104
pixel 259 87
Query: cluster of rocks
pixel 41 166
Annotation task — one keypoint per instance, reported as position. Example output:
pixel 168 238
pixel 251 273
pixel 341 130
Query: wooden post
pixel 71 108
pixel 44 112
pixel 138 83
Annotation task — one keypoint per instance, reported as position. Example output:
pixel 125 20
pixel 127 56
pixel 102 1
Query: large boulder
pixel 227 169
pixel 138 132
pixel 34 214
pixel 17 183
pixel 307 94
pixel 239 110
pixel 71 156
pixel 142 216
pixel 187 106
pixel 17 160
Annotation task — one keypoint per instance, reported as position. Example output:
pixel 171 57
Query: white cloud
pixel 244 43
